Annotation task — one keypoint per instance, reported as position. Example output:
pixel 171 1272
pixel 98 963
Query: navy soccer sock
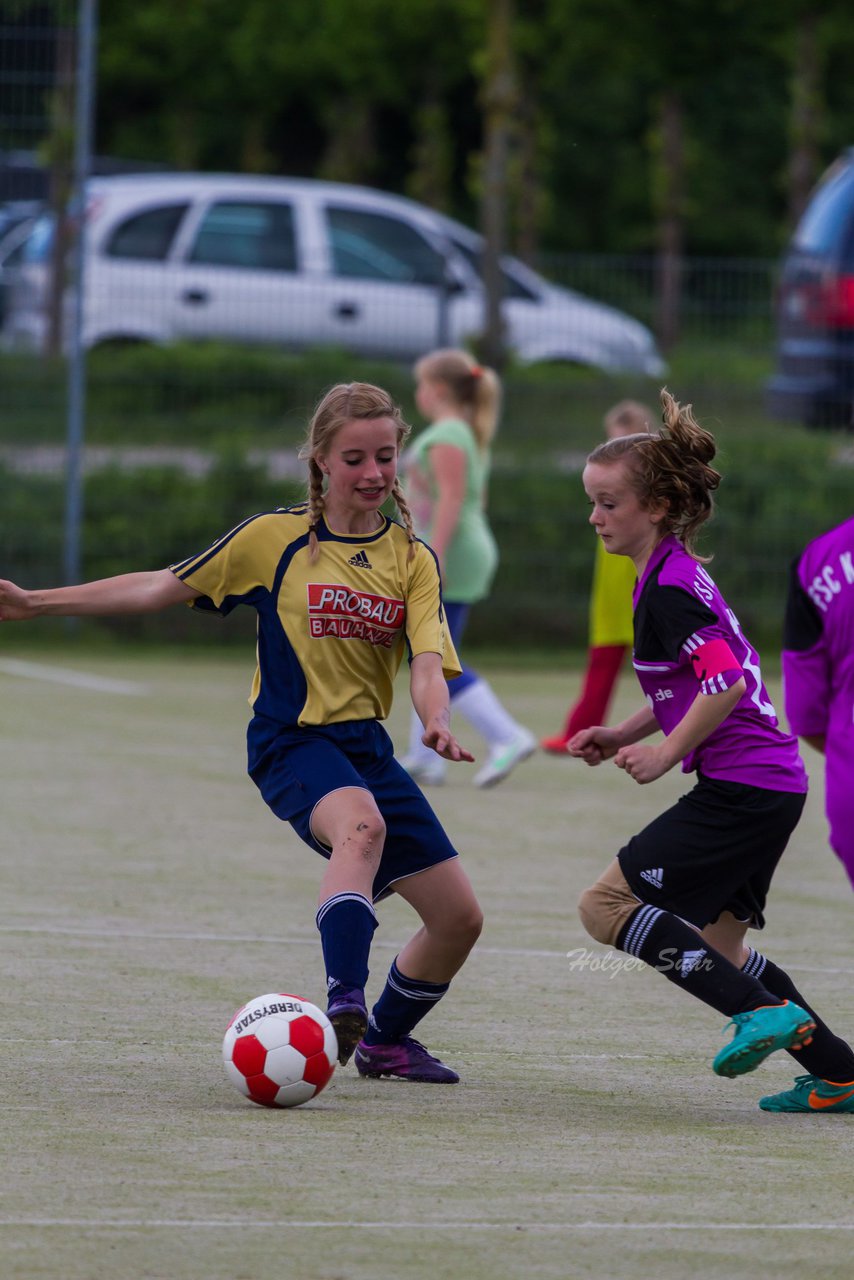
pixel 401 1006
pixel 826 1056
pixel 346 923
pixel 671 946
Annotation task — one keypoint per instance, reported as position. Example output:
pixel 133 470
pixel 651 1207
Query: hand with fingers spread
pixel 438 736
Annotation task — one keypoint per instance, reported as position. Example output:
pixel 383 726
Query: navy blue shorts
pixel 715 850
pixel 295 768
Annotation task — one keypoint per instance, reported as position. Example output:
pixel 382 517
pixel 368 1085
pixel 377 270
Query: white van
pixel 303 263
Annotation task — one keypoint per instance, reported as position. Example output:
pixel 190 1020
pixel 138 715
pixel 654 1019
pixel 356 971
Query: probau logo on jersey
pixel 353 615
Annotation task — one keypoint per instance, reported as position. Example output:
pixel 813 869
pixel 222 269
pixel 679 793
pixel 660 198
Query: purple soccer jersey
pixel 684 635
pixel 818 645
pixel 818 669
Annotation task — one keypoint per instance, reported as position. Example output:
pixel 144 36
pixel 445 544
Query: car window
pixel 13 257
pixel 147 235
pixel 257 235
pixel 829 213
pixel 39 243
pixel 374 246
pixel 511 286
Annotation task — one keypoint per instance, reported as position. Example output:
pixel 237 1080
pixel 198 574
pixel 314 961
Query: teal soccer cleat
pixel 760 1032
pixel 813 1094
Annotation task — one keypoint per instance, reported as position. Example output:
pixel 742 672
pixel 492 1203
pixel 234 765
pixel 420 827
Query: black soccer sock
pixel 671 946
pixel 346 923
pixel 401 1006
pixel 826 1056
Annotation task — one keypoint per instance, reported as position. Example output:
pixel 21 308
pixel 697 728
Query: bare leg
pixel 726 935
pixel 349 822
pixel 452 921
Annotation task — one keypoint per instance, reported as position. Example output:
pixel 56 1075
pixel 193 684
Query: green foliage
pixel 231 411
pixel 217 419
pixel 354 89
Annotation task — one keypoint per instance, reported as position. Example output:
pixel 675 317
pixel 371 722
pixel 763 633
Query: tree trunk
pixel 806 115
pixel 432 169
pixel 60 148
pixel 351 146
pixel 670 221
pixel 528 193
pixel 498 100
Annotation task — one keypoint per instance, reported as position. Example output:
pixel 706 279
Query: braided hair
pixel 670 469
pixel 348 402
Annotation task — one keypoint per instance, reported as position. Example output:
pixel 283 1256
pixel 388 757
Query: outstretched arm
pixel 430 699
pixel 127 593
pixel 599 742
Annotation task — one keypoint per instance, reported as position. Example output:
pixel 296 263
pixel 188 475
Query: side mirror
pixel 453 284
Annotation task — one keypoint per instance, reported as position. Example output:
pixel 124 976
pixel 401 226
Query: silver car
pixel 302 263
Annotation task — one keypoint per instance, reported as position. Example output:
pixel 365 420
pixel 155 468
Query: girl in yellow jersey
pixel 342 593
pixel 611 634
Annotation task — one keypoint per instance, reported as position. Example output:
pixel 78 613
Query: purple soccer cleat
pixel 406 1058
pixel 348 1014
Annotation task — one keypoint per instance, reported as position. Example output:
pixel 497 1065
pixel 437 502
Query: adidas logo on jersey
pixel 655 877
pixel 689 961
pixel 360 560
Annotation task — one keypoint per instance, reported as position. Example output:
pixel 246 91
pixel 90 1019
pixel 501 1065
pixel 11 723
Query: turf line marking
pixel 75 679
pixel 239 939
pixel 216 1224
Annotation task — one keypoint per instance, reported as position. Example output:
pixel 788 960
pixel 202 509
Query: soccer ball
pixel 279 1050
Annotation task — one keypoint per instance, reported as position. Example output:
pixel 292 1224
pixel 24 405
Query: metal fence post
pixel 83 115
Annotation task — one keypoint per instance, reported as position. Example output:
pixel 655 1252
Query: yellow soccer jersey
pixel 614 579
pixel 331 635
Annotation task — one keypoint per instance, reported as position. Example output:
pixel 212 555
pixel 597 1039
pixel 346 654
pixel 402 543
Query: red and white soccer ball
pixel 280 1050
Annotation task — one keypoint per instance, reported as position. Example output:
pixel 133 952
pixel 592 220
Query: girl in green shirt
pixel 448 470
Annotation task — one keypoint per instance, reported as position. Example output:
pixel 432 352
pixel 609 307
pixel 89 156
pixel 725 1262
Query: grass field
pixel 148 893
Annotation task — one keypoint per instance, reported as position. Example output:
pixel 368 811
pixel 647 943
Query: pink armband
pixel 713 659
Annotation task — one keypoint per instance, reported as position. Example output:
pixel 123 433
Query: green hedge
pixel 152 517
pixel 782 485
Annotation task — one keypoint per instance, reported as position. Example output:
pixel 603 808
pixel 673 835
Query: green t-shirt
pixel 472 556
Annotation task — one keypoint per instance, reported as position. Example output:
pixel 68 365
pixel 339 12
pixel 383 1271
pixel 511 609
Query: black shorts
pixel 715 850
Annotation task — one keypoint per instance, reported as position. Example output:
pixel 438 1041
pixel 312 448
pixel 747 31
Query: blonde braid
pixel 315 507
pixel 406 515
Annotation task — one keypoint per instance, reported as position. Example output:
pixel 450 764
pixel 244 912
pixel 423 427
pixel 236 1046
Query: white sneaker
pixel 427 773
pixel 503 760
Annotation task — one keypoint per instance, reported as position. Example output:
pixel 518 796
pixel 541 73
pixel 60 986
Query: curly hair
pixel 348 402
pixel 670 469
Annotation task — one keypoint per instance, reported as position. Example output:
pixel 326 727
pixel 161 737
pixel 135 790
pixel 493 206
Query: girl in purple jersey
pixel 682 894
pixel 818 671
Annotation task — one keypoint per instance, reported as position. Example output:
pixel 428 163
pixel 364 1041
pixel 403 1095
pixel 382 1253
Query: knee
pixel 364 838
pixel 465 925
pixel 472 924
pixel 605 908
pixel 592 917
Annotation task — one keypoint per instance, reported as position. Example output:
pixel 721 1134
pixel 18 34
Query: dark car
pixel 813 380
